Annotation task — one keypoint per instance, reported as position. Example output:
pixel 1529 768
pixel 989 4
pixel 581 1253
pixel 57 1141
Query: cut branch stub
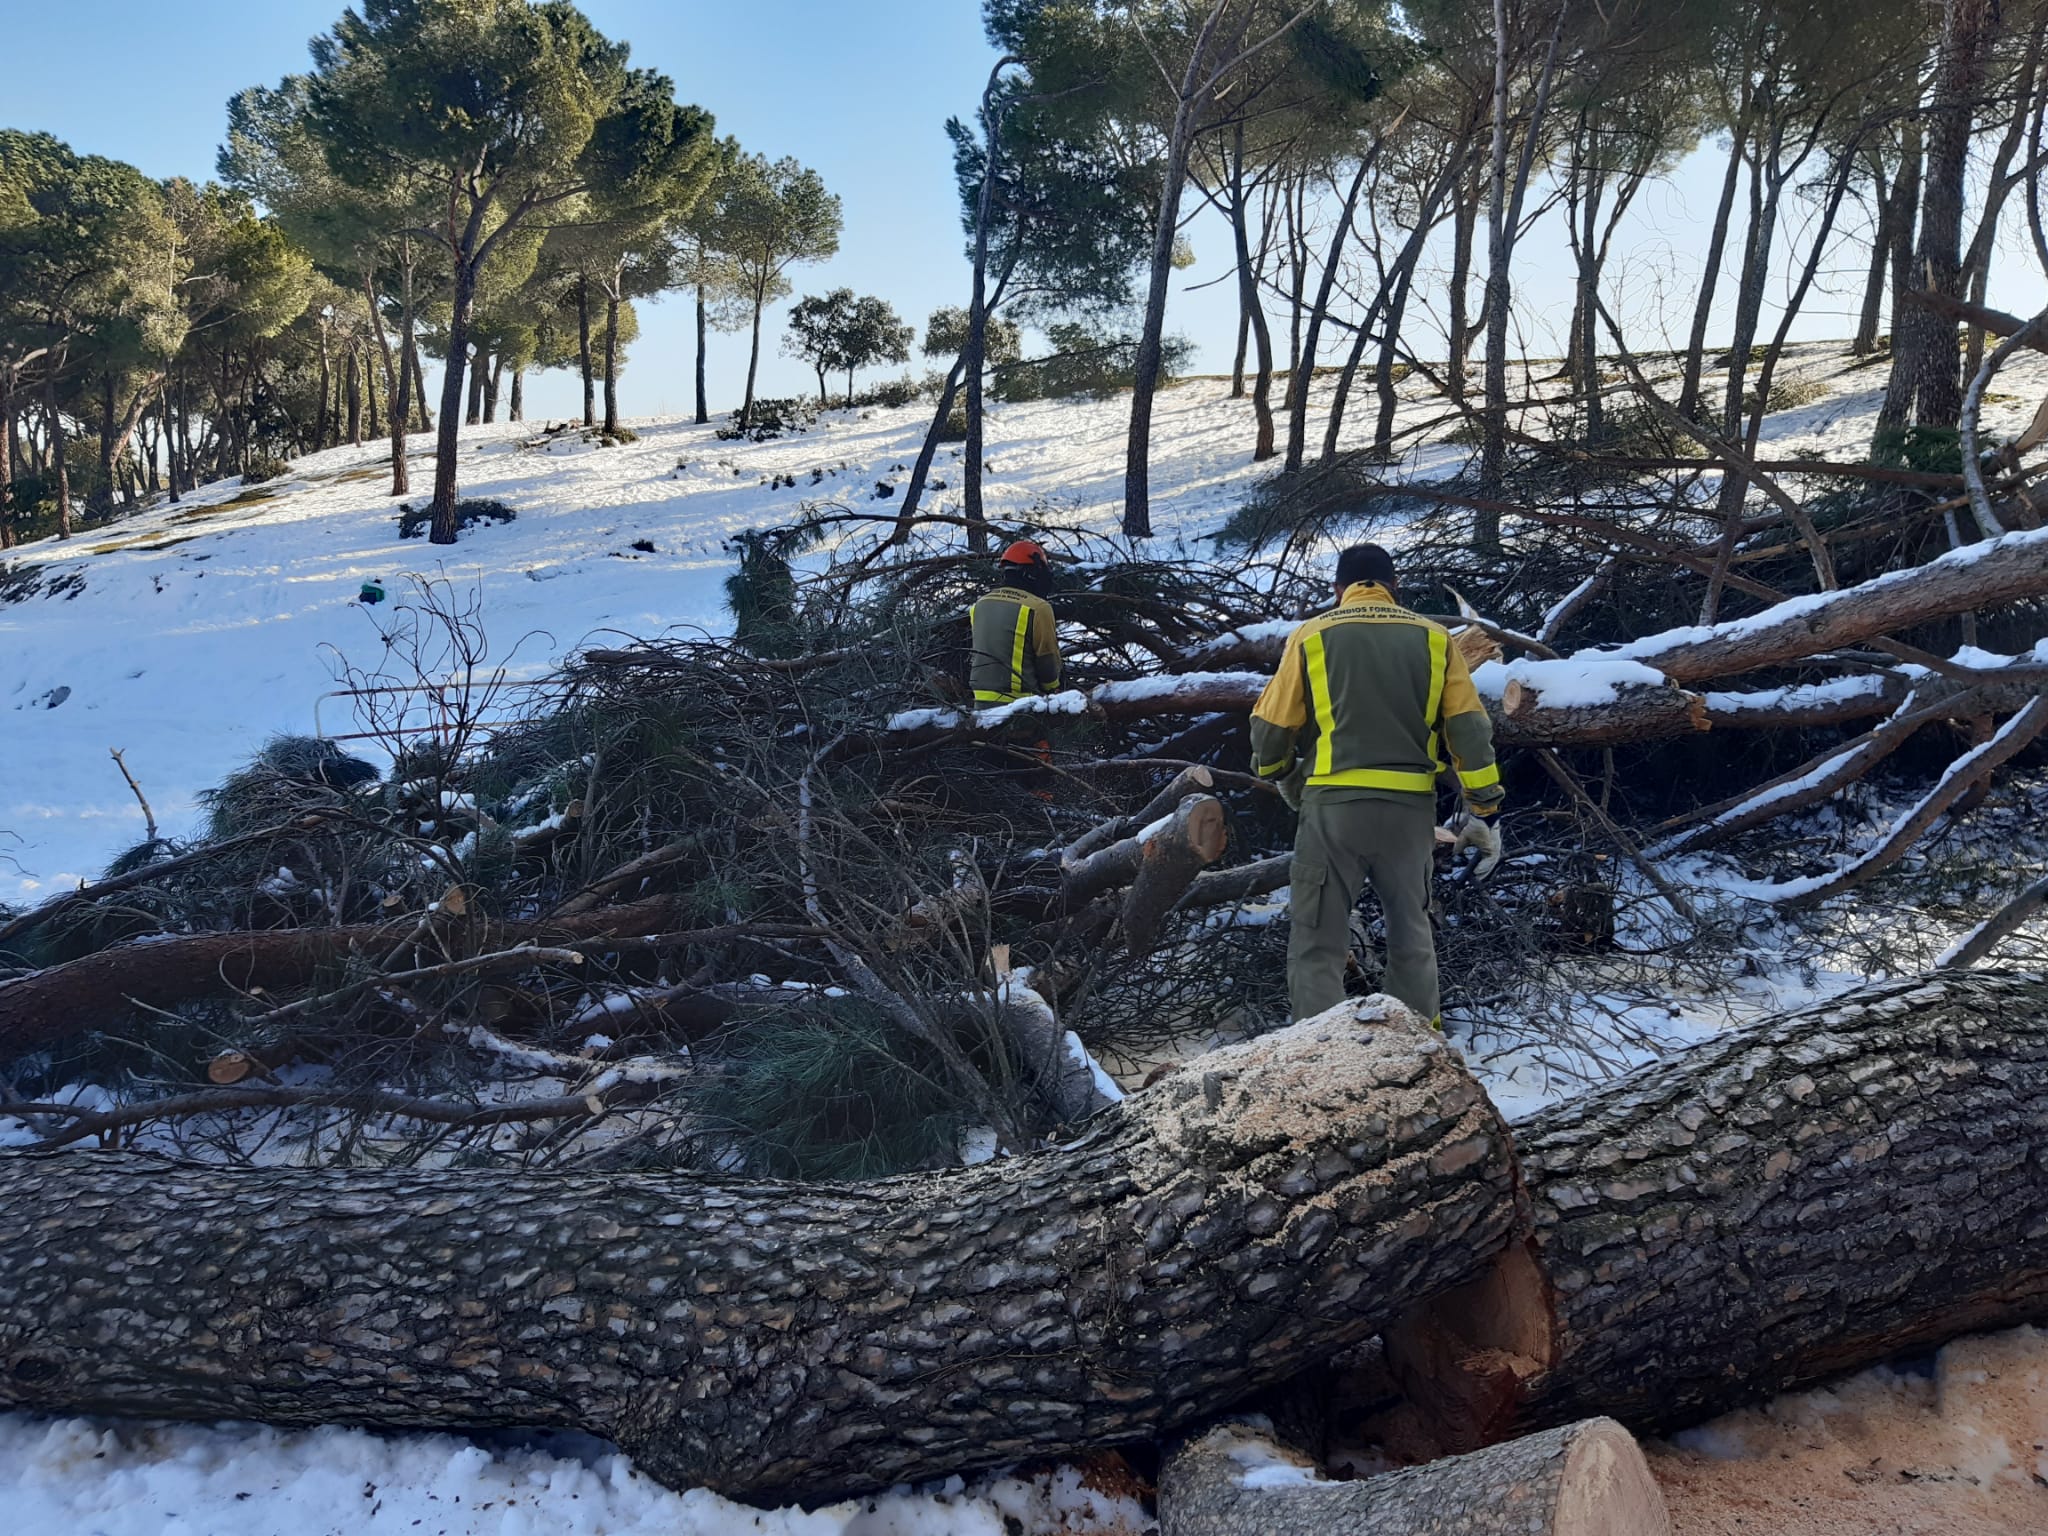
pixel 1271 1204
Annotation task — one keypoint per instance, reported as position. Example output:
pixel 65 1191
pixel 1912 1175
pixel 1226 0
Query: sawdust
pixel 1958 1447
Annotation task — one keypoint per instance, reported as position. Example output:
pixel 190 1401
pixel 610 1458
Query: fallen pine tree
pixel 1779 1204
pixel 1207 1239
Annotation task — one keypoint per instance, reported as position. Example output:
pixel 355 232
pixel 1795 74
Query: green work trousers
pixel 1344 839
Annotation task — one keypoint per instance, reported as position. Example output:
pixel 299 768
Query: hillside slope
pixel 187 635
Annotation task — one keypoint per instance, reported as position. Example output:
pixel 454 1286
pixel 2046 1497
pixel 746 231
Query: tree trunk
pixel 1710 271
pixel 1464 217
pixel 583 357
pixel 1503 227
pixel 353 385
pixel 450 440
pixel 1252 309
pixel 497 377
pixel 1896 409
pixel 321 417
pixel 1298 395
pixel 102 499
pixel 611 362
pixel 1789 1201
pixel 1137 522
pixel 1583 1479
pixel 1383 370
pixel 422 414
pixel 1925 358
pixel 1262 1208
pixel 54 425
pixel 7 381
pixel 703 405
pixel 1400 275
pixel 753 355
pixel 913 493
pixel 399 406
pixel 1885 213
pixel 473 411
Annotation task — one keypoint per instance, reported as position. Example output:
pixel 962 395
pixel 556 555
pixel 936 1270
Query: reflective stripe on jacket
pixel 1366 695
pixel 1015 648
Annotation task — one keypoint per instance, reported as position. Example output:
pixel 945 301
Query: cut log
pixel 1268 1206
pixel 1192 840
pixel 1786 1202
pixel 1584 1479
pixel 1192 780
pixel 1194 834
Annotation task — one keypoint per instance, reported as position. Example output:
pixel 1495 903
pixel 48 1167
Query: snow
pixel 134 1479
pixel 1104 1083
pixel 1572 682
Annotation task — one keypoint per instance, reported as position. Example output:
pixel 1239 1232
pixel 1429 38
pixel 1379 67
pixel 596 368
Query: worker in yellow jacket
pixel 1016 652
pixel 1351 726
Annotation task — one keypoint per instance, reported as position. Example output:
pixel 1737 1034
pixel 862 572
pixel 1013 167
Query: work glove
pixel 1291 787
pixel 1481 835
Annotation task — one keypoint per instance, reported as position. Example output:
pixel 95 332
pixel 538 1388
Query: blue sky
pixel 859 90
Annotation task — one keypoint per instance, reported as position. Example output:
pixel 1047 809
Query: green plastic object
pixel 372 593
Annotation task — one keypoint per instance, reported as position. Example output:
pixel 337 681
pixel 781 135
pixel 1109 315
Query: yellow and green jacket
pixel 1365 697
pixel 1015 649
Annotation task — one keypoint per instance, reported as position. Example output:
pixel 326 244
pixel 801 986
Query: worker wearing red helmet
pixel 1016 652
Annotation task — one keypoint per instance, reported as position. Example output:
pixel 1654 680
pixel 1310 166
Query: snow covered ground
pixel 188 635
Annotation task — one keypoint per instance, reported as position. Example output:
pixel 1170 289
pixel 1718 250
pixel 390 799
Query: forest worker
pixel 1349 726
pixel 1016 653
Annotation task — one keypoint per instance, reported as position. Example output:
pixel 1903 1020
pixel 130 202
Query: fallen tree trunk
pixel 1584 1479
pixel 1272 1204
pixel 1772 1207
pixel 1975 576
pixel 1644 707
pixel 163 971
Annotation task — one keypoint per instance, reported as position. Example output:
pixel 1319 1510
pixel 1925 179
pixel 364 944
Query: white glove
pixel 1476 832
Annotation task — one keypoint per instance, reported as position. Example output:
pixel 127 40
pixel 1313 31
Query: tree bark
pixel 1264 1207
pixel 1464 217
pixel 1926 363
pixel 1884 206
pixel 1583 1479
pixel 1710 271
pixel 450 439
pixel 1793 1200
pixel 703 405
pixel 1252 309
pixel 54 425
pixel 1303 375
pixel 517 408
pixel 611 362
pixel 583 357
pixel 1137 523
pixel 473 413
pixel 353 387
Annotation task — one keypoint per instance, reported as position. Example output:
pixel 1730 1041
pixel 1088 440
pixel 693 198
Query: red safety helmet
pixel 1025 552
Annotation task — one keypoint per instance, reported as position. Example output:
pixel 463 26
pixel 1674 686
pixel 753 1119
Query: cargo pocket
pixel 1310 873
